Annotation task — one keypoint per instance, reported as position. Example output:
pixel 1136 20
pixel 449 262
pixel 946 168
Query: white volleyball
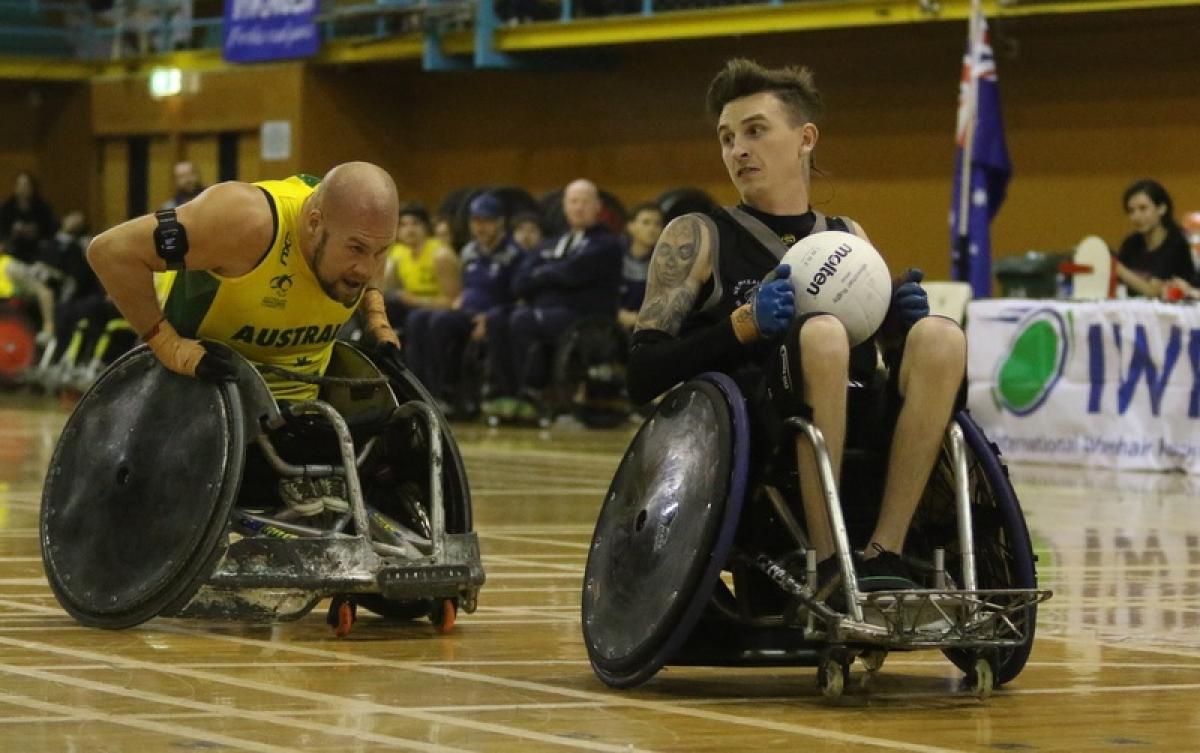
pixel 841 274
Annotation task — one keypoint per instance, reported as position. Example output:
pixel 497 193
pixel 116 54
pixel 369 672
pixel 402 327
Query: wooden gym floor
pixel 1116 664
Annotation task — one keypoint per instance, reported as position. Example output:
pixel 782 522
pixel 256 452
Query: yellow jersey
pixel 415 272
pixel 8 288
pixel 276 314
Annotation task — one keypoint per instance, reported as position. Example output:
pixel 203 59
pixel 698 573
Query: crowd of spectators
pixel 494 308
pixel 502 303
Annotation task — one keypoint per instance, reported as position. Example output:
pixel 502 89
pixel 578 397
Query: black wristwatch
pixel 170 239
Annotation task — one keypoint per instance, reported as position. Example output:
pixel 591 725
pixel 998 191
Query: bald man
pixel 577 275
pixel 270 269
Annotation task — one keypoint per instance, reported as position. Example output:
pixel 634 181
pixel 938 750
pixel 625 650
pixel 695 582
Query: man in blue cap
pixel 488 262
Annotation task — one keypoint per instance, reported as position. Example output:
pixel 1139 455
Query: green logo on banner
pixel 1034 362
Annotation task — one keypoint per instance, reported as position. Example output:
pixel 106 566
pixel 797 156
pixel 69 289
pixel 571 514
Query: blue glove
pixel 774 302
pixel 910 302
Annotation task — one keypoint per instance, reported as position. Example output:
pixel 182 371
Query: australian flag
pixel 981 183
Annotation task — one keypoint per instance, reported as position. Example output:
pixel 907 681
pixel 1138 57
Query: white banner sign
pixel 1113 384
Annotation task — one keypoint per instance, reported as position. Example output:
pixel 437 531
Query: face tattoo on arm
pixel 671 289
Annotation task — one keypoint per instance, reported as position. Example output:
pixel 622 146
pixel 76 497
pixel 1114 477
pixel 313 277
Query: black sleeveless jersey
pixel 742 262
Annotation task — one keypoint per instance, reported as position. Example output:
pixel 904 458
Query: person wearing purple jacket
pixel 577 275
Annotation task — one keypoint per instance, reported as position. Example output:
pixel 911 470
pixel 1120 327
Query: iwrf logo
pixel 1033 364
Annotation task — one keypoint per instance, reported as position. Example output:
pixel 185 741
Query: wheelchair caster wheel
pixel 343 613
pixel 831 678
pixel 873 660
pixel 982 678
pixel 443 615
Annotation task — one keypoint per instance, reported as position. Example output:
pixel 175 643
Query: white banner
pixel 1113 384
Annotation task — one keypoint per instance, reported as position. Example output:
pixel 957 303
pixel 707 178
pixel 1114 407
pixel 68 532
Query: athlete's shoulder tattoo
pixel 671 288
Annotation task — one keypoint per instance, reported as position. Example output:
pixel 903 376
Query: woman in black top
pixel 1157 253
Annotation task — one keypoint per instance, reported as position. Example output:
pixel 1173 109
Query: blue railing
pixel 136 28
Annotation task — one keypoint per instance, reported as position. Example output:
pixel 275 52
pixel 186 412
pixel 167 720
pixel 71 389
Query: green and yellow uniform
pixel 276 314
pixel 415 272
pixel 8 287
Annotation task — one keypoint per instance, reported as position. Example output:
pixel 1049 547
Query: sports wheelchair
pixel 165 496
pixel 586 374
pixel 697 559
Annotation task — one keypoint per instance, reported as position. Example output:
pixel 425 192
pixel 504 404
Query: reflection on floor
pixel 1116 663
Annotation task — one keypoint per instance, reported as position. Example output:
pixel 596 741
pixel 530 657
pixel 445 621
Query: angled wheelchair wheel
pixel 1004 555
pixel 665 530
pixel 589 373
pixel 18 348
pixel 407 482
pixel 137 497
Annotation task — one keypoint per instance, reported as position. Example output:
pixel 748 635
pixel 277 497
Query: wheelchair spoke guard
pixel 665 530
pixel 138 493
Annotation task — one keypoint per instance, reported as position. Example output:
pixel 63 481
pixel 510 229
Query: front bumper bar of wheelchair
pixel 932 618
pixel 281 578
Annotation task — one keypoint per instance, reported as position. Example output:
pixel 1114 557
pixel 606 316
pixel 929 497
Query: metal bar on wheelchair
pixel 962 496
pixel 841 538
pixel 285 468
pixel 358 507
pixel 289 527
pixel 785 515
pixel 366 450
pixel 401 531
pixel 437 515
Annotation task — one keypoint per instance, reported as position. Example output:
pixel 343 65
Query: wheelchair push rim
pixel 137 497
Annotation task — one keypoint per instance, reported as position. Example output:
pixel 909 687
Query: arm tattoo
pixel 670 291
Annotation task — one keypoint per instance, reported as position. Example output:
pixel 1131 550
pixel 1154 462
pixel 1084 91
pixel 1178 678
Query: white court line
pixel 585 695
pixel 259 716
pixel 558 556
pixel 532 540
pixel 509 491
pixel 539 530
pixel 532 608
pixel 1111 643
pixel 173 730
pixel 504 575
pixel 504 559
pixel 330 701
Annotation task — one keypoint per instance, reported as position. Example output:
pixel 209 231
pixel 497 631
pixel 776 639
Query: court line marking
pixel 552 492
pixel 506 559
pixel 260 716
pixel 1114 644
pixel 532 540
pixel 532 576
pixel 331 701
pixel 586 695
pixel 173 730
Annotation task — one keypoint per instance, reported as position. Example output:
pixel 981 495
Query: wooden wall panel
pixel 201 151
pixel 44 129
pixel 1088 111
pixel 160 172
pixel 114 182
pixel 249 157
pixel 212 101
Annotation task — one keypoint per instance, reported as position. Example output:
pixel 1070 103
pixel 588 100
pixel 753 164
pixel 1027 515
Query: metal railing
pixel 138 28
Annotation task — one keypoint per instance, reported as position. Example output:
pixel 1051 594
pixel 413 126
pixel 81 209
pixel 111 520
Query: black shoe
pixel 886 571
